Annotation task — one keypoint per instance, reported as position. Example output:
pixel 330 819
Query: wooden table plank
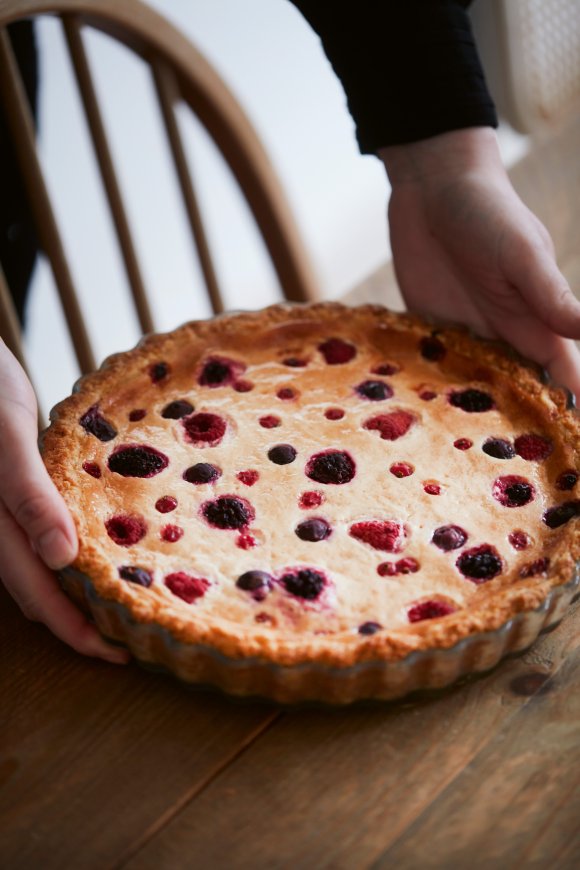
pixel 95 757
pixel 334 789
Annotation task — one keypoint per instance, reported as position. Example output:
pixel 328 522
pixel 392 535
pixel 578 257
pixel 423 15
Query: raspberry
pixel 257 582
pixel 269 421
pixel 472 401
pixel 92 468
pixel 134 574
pixel 387 535
pixel 219 371
pixel 463 443
pixel 158 372
pixel 310 500
pixel 282 454
pixel 202 472
pixel 432 349
pixel 294 362
pixel 401 469
pixel 228 512
pixel 375 391
pixel 407 566
pixel 243 386
pixel 513 491
pixel 519 540
pixel 137 414
pixel 533 447
pixel 171 534
pixel 186 587
pixel 499 448
pixel 126 530
pixel 137 460
pixel 432 489
pixel 177 410
pixel 385 369
pixel 334 414
pixel 314 530
pixel 204 429
pixel 532 569
pixel 331 466
pixel 449 537
pixel 286 394
pixel 336 351
pixel 245 541
pixel 391 426
pixel 429 610
pixel 303 583
pixel 248 477
pixel 166 504
pixel 387 569
pixel 480 563
pixel 369 628
pixel 560 514
pixel 95 424
pixel 567 480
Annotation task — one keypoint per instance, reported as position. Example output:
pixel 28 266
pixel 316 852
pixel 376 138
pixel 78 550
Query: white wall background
pixel 273 62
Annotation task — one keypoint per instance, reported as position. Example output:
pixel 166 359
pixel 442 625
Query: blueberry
pixel 376 391
pixel 472 401
pixel 282 454
pixel 561 514
pixel 499 448
pixel 95 424
pixel 202 472
pixel 313 530
pixel 133 574
pixel 137 460
pixel 449 537
pixel 369 628
pixel 258 583
pixel 176 410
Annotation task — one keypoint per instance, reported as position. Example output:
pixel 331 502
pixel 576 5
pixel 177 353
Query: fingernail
pixel 55 549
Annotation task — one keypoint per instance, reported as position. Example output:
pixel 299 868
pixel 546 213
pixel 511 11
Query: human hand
pixel 466 249
pixel 37 533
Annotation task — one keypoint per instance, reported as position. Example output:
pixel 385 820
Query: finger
pixel 35 590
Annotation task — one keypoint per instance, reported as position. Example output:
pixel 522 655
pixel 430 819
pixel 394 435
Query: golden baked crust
pixel 292 630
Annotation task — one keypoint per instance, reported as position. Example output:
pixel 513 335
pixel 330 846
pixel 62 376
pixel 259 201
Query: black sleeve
pixel 410 68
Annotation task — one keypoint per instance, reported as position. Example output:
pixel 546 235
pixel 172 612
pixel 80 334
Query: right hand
pixel 37 533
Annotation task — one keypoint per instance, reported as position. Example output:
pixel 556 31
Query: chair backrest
pixel 180 74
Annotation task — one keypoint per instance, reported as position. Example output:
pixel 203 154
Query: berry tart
pixel 319 502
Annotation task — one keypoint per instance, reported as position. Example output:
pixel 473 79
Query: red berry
pixel 137 414
pixel 463 443
pixel 429 610
pixel 334 414
pixel 391 426
pixel 243 386
pixel 432 489
pixel 248 477
pixel 519 540
pixel 387 535
pixel 158 372
pixel 204 429
pixel 336 351
pixel 385 369
pixel 92 468
pixel 286 394
pixel 171 534
pixel 219 371
pixel 567 480
pixel 407 566
pixel 533 447
pixel 513 491
pixel 126 530
pixel 401 469
pixel 532 569
pixel 427 395
pixel 387 569
pixel 166 504
pixel 270 421
pixel 310 500
pixel 186 587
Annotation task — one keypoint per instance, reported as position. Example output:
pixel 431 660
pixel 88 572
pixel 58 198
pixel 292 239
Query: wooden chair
pixel 180 73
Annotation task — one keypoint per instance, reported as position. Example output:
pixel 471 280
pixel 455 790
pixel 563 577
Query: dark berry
pixel 513 491
pixel 429 610
pixel 334 414
pixel 286 394
pixel 427 395
pixel 166 504
pixel 519 540
pixel 532 569
pixel 92 468
pixel 432 489
pixel 137 414
pixel 258 583
pixel 375 391
pixel 171 533
pixel 401 469
pixel 471 400
pixel 449 537
pixel 219 371
pixel 137 460
pixel 310 500
pixel 202 472
pixel 126 530
pixel 533 447
pixel 228 512
pixel 133 574
pixel 303 583
pixel 243 386
pixel 332 466
pixel 249 477
pixel 282 454
pixel 387 535
pixel 186 587
pixel 294 362
pixel 369 628
pixel 499 448
pixel 158 372
pixel 463 443
pixel 480 563
pixel 391 426
pixel 385 369
pixel 204 429
pixel 432 349
pixel 561 514
pixel 567 480
pixel 336 351
pixel 95 424
pixel 269 421
pixel 177 410
pixel 314 529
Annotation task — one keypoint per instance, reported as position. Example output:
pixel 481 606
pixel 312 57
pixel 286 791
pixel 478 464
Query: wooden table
pixel 106 767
